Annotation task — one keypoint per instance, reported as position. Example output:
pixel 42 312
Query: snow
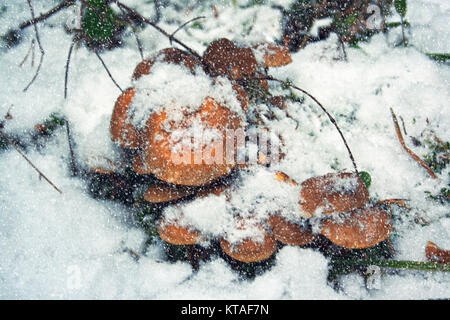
pixel 69 245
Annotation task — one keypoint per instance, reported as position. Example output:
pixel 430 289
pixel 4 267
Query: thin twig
pixel 46 15
pixel 40 48
pixel 409 151
pixel 28 160
pixel 183 25
pixel 142 18
pixel 72 157
pixel 66 74
pixel 330 117
pixel 107 71
pixel 138 41
pixel 28 54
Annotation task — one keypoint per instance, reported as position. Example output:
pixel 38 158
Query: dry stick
pixel 27 55
pixel 40 48
pixel 411 153
pixel 138 41
pixel 107 71
pixel 46 15
pixel 135 14
pixel 183 25
pixel 330 117
pixel 69 140
pixel 66 74
pixel 28 160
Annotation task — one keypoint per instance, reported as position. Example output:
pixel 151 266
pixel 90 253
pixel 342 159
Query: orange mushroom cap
pixel 249 250
pixel 175 234
pixel 333 193
pixel 122 131
pixel 290 233
pixel 195 166
pixel 169 55
pixel 362 228
pixel 274 55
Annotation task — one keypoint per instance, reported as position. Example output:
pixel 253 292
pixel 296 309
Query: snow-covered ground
pixel 70 245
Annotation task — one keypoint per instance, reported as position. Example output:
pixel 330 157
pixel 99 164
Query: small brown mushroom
pixel 163 192
pixel 436 254
pixel 333 193
pixel 175 234
pixel 274 55
pixel 362 228
pixel 249 250
pixel 290 233
pixel 121 130
pixel 168 55
pixel 224 58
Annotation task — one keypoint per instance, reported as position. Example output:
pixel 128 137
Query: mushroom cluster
pixel 175 96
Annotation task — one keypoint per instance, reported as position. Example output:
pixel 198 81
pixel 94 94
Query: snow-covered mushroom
pixel 122 130
pixel 175 234
pixel 224 58
pixel 168 55
pixel 290 233
pixel 178 163
pixel 333 193
pixel 250 250
pixel 361 228
pixel 272 55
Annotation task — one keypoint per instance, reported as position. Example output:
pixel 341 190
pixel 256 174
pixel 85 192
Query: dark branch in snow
pixel 330 117
pixel 409 151
pixel 151 23
pixel 46 15
pixel 40 48
pixel 28 160
pixel 107 70
pixel 138 41
pixel 183 25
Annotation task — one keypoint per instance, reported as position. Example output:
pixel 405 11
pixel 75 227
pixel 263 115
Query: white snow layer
pixel 68 245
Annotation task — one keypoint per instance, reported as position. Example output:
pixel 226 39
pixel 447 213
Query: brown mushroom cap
pixel 177 235
pixel 169 55
pixel 162 192
pixel 330 193
pixel 362 228
pixel 436 254
pixel 249 250
pixel 274 55
pixel 290 233
pixel 159 157
pixel 122 131
pixel 224 58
